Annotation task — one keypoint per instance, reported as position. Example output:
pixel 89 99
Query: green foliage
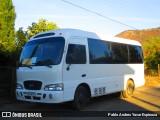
pixel 150 39
pixel 152 52
pixel 151 72
pixel 41 26
pixel 7 32
pixel 21 38
pixel 11 42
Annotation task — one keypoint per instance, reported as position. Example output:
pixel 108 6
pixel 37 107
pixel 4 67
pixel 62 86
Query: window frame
pixel 85 56
pixel 127 59
pixel 107 43
pixel 122 61
pixel 137 61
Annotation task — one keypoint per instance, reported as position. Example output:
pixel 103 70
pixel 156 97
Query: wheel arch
pixel 129 79
pixel 81 99
pixel 86 86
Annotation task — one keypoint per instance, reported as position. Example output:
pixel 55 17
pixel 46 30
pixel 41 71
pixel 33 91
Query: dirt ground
pixel 145 99
pixel 152 81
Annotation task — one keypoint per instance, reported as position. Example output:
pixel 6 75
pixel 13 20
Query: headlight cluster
pixel 54 87
pixel 19 86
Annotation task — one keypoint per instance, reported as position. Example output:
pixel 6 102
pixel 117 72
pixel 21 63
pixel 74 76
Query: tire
pixel 128 92
pixel 81 98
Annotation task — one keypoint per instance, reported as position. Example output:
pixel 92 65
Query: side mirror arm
pixel 68 68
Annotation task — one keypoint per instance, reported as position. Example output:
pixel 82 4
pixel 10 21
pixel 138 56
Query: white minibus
pixel 74 65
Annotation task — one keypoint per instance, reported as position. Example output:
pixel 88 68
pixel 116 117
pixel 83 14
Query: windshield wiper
pixel 42 63
pixel 50 66
pixel 26 66
pixel 29 67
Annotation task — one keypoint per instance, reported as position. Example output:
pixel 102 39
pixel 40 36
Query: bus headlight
pixel 54 87
pixel 19 86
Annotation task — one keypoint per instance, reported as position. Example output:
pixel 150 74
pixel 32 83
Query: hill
pixel 140 35
pixel 150 40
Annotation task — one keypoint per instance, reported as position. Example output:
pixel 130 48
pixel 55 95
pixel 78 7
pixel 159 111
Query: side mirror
pixel 69 60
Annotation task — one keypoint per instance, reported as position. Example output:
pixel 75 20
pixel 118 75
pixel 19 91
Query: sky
pixel 128 14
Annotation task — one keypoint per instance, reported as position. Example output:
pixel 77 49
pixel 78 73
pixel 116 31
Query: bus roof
pixel 67 33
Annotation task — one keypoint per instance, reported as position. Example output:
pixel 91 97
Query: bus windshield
pixel 45 51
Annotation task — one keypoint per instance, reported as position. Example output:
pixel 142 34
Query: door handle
pixel 83 75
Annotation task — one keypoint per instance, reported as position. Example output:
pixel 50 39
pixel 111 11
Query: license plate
pixel 31 93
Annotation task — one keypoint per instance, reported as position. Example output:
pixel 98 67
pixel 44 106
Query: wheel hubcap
pixel 130 89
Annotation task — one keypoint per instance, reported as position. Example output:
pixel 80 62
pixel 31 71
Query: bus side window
pixel 76 54
pixel 119 53
pixel 135 54
pixel 99 52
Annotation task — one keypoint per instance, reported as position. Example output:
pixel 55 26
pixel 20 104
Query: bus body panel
pixel 43 74
pixel 102 79
pixel 138 74
pixel 73 77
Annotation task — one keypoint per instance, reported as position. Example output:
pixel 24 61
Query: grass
pixel 152 80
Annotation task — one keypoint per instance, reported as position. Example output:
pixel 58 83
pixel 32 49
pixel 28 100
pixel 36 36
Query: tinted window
pixel 119 53
pixel 135 53
pixel 99 51
pixel 76 54
pixel 45 51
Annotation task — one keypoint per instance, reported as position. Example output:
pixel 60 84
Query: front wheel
pixel 80 98
pixel 128 92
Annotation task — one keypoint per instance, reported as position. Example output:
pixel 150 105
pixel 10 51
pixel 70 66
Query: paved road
pixel 146 98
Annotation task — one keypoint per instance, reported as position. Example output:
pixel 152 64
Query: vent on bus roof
pixel 44 35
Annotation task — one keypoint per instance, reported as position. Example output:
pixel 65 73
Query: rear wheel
pixel 128 92
pixel 81 98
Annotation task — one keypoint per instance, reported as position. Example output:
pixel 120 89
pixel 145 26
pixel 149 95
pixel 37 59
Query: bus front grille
pixel 32 85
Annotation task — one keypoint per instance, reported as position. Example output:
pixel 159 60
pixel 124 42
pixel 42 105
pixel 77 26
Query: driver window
pixel 76 54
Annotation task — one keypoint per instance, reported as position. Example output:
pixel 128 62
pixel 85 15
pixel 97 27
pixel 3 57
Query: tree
pixel 21 38
pixel 7 31
pixel 41 26
pixel 152 52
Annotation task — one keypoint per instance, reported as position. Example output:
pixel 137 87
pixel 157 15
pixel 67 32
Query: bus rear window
pixel 135 54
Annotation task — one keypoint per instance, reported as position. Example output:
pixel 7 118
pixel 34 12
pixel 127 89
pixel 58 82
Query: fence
pixel 7 83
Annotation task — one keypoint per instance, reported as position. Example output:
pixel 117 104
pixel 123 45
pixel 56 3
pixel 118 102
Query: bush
pixel 151 72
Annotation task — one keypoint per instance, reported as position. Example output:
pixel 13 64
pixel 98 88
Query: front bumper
pixel 40 96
